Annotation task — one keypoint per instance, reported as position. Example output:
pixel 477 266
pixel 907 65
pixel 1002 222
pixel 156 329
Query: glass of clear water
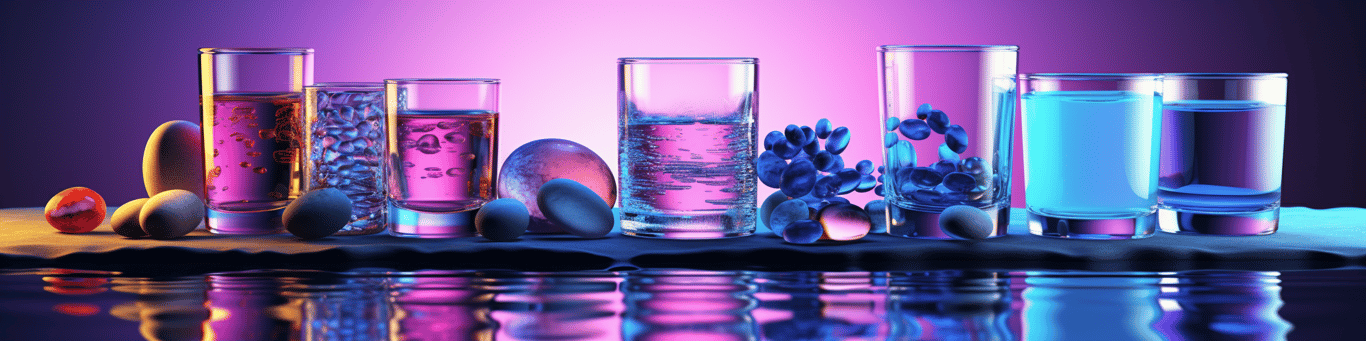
pixel 1090 154
pixel 344 146
pixel 686 135
pixel 442 154
pixel 1223 139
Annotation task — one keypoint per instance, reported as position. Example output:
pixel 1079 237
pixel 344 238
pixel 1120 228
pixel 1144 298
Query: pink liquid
pixel 252 143
pixel 443 161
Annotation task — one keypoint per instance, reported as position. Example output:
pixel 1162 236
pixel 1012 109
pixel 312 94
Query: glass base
pixel 364 226
pixel 713 226
pixel 1259 223
pixel 910 223
pixel 418 224
pixel 244 223
pixel 1139 227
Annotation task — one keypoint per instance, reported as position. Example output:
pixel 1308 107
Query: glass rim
pixel 1091 76
pixel 1226 75
pixel 441 81
pixel 688 60
pixel 346 85
pixel 947 48
pixel 257 50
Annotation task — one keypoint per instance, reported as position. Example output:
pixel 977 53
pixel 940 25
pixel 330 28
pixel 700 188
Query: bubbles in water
pixel 260 170
pixel 245 164
pixel 249 143
pixel 427 144
pixel 267 134
pixel 454 137
pixel 455 172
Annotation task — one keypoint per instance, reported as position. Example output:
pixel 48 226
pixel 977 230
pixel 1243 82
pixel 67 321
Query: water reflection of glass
pixel 1223 305
pixel 1090 306
pixel 437 305
pixel 335 307
pixel 243 307
pixel 688 305
pixel 555 306
pixel 820 306
pixel 948 305
pixel 166 309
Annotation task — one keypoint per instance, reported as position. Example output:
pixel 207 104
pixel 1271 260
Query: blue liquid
pixel 1222 156
pixel 1091 154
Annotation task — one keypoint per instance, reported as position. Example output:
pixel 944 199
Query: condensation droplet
pixel 259 170
pixel 245 164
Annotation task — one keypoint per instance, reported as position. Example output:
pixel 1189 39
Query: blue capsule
pixel 824 161
pixel 956 138
pixel 839 162
pixel 839 139
pixel 773 138
pixel 878 190
pixel 926 196
pixel 944 167
pixel 938 121
pixel 849 180
pixel 864 167
pixel 786 150
pixel 877 212
pixel 892 122
pixel 794 135
pixel 974 165
pixel 826 187
pixel 904 153
pixel 798 178
pixel 925 177
pixel 948 196
pixel 786 213
pixel 889 140
pixel 866 182
pixel 809 133
pixel 959 182
pixel 803 232
pixel 812 146
pixel 881 170
pixel 915 129
pixel 823 128
pixel 771 168
pixel 923 111
pixel 946 153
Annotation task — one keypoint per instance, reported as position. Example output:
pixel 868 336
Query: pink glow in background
pixel 86 83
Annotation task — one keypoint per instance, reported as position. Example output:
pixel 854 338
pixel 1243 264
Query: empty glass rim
pixel 1226 75
pixel 346 85
pixel 442 80
pixel 1091 76
pixel 256 50
pixel 947 48
pixel 688 60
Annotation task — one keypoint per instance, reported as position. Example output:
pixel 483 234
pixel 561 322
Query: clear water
pixel 386 304
pixel 254 142
pixel 443 161
pixel 1221 155
pixel 346 148
pixel 1091 154
pixel 688 179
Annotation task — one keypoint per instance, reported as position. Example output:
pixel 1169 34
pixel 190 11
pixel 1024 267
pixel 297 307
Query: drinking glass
pixel 686 136
pixel 443 153
pixel 345 146
pixel 1090 154
pixel 249 100
pixel 947 113
pixel 1223 138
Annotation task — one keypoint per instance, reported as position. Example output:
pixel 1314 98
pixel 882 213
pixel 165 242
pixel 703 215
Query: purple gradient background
pixel 86 83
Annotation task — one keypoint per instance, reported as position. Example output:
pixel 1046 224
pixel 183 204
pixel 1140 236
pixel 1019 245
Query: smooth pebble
pixel 575 208
pixel 502 220
pixel 965 222
pixel 318 213
pixel 125 219
pixel 173 159
pixel 843 221
pixel 786 213
pixel 533 164
pixel 766 209
pixel 172 214
pixel 877 213
pixel 803 232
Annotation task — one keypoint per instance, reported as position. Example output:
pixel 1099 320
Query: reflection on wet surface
pixel 381 304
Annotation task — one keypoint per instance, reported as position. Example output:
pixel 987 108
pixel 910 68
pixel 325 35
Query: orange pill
pixel 75 210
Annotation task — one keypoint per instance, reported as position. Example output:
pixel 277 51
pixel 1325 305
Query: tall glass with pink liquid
pixel 250 100
pixel 686 136
pixel 443 154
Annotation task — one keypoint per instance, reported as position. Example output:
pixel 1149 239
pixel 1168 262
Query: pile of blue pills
pixel 804 163
pixel 951 180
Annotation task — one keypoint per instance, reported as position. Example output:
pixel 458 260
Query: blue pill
pixel 849 180
pixel 502 220
pixel 771 168
pixel 827 186
pixel 839 163
pixel 892 122
pixel 944 167
pixel 866 182
pixel 926 196
pixel 812 147
pixel 803 232
pixel 823 128
pixel 946 153
pixel 938 121
pixel 974 165
pixel 915 129
pixel 881 170
pixel 839 139
pixel 959 182
pixel 889 140
pixel 879 191
pixel 772 139
pixel 923 111
pixel 956 138
pixel 904 154
pixel 877 213
pixel 864 167
pixel 812 202
pixel 798 178
pixel 786 213
pixel 794 135
pixel 786 150
pixel 824 161
pixel 809 133
pixel 770 203
pixel 925 177
pixel 965 222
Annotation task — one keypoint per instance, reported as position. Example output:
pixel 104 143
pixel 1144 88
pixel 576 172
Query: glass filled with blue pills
pixel 947 113
pixel 1091 154
pixel 344 146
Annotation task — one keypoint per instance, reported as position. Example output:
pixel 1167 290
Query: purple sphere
pixel 535 163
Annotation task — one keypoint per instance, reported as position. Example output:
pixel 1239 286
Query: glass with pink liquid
pixel 686 136
pixel 250 99
pixel 443 150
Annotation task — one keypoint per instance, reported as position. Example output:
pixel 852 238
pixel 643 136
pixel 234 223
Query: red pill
pixel 75 210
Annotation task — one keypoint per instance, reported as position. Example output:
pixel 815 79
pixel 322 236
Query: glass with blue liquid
pixel 947 113
pixel 1223 139
pixel 1090 154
